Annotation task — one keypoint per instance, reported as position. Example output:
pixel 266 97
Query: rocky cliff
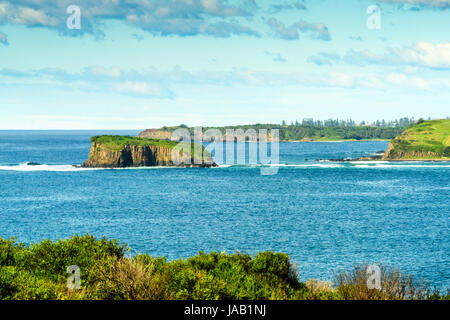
pixel 394 152
pixel 122 152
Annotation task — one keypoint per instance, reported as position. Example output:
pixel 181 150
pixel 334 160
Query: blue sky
pixel 148 63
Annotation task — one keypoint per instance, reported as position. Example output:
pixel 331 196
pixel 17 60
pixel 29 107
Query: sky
pixel 136 64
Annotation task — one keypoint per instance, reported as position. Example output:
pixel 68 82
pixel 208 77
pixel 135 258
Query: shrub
pixel 21 285
pixel 126 279
pixel 7 288
pixel 273 263
pixel 320 290
pixel 9 251
pixel 50 259
pixel 446 151
pixel 395 285
pixel 39 272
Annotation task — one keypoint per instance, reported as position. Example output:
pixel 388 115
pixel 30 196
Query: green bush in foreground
pixel 38 271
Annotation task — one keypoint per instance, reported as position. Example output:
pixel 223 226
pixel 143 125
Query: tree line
pixel 402 122
pixel 331 129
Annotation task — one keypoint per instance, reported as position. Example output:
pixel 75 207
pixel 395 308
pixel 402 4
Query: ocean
pixel 328 216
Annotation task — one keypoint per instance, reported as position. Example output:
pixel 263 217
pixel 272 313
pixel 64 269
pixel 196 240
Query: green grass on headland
pixel 117 143
pixel 422 141
pixel 39 271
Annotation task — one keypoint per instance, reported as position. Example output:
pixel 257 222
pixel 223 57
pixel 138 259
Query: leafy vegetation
pixel 117 143
pixel 38 271
pixel 394 285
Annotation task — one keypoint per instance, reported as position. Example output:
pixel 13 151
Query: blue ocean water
pixel 327 216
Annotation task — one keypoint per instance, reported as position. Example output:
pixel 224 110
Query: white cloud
pixel 28 16
pixel 442 4
pixel 152 83
pixel 403 80
pixel 425 54
pixel 142 89
pixel 421 54
pixel 160 17
pixel 316 30
pixel 409 69
pixel 210 5
pixel 340 79
pixel 101 71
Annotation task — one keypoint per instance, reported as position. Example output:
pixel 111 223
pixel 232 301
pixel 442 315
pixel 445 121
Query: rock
pixel 123 152
pixel 372 158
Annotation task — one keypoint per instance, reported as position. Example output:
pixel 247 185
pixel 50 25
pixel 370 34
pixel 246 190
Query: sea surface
pixel 327 216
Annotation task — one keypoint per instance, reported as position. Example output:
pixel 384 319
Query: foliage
pixel 126 279
pixel 38 271
pixel 115 142
pixel 395 285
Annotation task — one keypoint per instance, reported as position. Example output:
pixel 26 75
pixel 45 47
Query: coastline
pixel 340 140
pixel 416 160
pixel 377 159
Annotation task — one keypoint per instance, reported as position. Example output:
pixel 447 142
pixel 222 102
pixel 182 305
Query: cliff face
pixel 129 156
pixel 394 152
pixel 103 156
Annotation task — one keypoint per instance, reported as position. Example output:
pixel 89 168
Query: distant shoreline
pixel 340 140
pixel 380 160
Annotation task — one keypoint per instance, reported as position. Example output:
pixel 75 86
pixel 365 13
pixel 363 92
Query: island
pixel 113 151
pixel 423 141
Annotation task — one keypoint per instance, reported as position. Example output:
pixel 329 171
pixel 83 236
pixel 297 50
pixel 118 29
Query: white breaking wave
pixel 349 165
pixel 224 166
pixel 304 165
pixel 368 162
pixel 318 165
pixel 403 166
pixel 29 166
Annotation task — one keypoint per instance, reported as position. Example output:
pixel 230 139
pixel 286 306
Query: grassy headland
pixel 39 271
pixel 425 140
